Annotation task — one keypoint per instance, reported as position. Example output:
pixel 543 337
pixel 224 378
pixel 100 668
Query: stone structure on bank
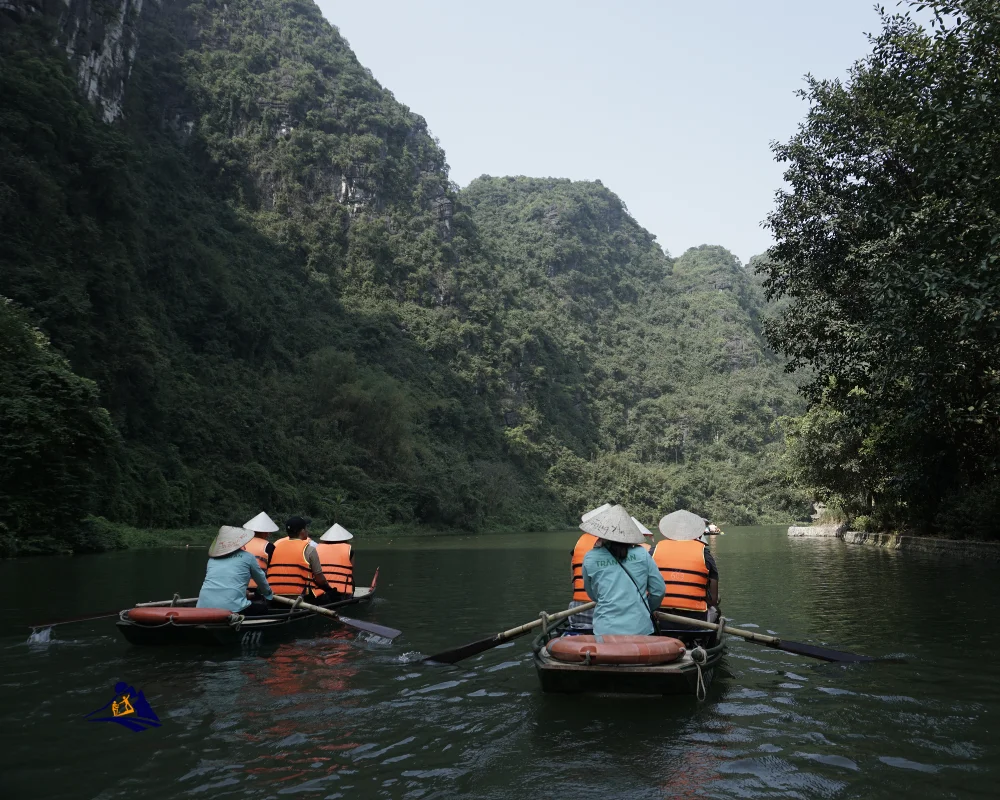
pixel 983 551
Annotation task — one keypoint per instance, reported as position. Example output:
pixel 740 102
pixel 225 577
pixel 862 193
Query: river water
pixel 331 716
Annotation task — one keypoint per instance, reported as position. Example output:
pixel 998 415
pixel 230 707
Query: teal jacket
pixel 227 579
pixel 620 605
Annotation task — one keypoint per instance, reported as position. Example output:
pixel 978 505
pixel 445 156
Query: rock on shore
pixel 827 531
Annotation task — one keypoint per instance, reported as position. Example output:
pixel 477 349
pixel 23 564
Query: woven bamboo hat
pixel 229 540
pixel 613 525
pixel 262 523
pixel 595 512
pixel 337 533
pixel 682 526
pixel 645 531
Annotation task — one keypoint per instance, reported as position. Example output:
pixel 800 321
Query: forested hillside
pixel 257 288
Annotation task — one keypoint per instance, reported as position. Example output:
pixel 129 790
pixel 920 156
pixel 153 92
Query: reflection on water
pixel 337 716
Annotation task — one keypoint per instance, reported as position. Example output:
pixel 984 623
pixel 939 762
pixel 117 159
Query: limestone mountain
pixel 216 216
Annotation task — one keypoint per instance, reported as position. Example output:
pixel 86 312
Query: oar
pixel 105 615
pixel 459 653
pixel 798 648
pixel 371 627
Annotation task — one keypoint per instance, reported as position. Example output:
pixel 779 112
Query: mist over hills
pixel 239 277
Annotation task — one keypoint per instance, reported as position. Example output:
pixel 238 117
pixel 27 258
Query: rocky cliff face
pixel 100 39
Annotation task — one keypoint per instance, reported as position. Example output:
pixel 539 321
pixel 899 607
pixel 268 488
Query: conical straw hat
pixel 613 525
pixel 682 526
pixel 591 514
pixel 229 540
pixel 337 533
pixel 262 523
pixel 645 531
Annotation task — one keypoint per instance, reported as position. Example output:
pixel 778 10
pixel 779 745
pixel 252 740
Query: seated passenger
pixel 336 557
pixel 620 575
pixel 294 569
pixel 228 575
pixel 260 546
pixel 647 535
pixel 688 568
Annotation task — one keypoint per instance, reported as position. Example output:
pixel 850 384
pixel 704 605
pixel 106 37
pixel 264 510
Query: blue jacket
pixel 227 579
pixel 621 607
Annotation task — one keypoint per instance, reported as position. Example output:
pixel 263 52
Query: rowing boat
pixel 692 673
pixel 234 629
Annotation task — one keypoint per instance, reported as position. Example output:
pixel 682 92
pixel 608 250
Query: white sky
pixel 671 104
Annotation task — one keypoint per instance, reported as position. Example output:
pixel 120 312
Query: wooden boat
pixel 235 629
pixel 691 674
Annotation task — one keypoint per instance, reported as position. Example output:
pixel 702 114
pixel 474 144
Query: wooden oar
pixel 459 653
pixel 105 615
pixel 799 648
pixel 371 627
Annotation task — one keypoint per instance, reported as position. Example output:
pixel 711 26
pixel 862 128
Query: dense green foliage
pixel 888 247
pixel 283 302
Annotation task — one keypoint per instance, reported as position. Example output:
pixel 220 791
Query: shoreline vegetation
pixel 103 536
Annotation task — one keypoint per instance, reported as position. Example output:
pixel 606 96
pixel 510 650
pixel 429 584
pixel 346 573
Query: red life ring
pixel 188 616
pixel 616 649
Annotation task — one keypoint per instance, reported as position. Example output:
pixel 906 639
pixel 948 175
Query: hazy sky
pixel 671 104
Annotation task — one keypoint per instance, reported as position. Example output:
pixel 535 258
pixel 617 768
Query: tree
pixel 887 248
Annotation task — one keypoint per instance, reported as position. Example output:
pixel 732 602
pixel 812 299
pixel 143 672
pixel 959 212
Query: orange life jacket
pixel 289 571
pixel 683 567
pixel 583 546
pixel 257 547
pixel 336 560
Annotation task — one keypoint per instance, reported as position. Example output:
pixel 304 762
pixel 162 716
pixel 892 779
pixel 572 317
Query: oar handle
pixel 557 617
pixel 308 606
pixel 750 636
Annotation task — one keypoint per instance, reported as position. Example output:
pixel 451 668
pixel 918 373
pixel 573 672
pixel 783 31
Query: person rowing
pixel 228 574
pixel 620 575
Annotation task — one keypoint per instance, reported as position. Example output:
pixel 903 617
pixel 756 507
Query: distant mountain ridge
pixel 284 302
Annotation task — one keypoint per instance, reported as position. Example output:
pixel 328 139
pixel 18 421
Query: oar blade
pixel 823 653
pixel 371 627
pixel 465 651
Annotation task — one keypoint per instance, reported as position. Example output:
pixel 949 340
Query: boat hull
pixel 245 632
pixel 676 678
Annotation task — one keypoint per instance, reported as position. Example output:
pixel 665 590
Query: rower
pixel 585 619
pixel 229 571
pixel 295 567
pixel 647 534
pixel 688 567
pixel 260 546
pixel 336 557
pixel 621 576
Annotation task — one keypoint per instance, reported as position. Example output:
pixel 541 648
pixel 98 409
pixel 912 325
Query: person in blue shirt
pixel 228 575
pixel 621 576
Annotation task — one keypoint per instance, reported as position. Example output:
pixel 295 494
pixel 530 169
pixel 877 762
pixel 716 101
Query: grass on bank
pixel 98 535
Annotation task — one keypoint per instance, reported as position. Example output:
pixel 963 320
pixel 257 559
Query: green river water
pixel 331 716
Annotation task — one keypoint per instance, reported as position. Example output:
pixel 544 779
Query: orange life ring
pixel 616 649
pixel 189 616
